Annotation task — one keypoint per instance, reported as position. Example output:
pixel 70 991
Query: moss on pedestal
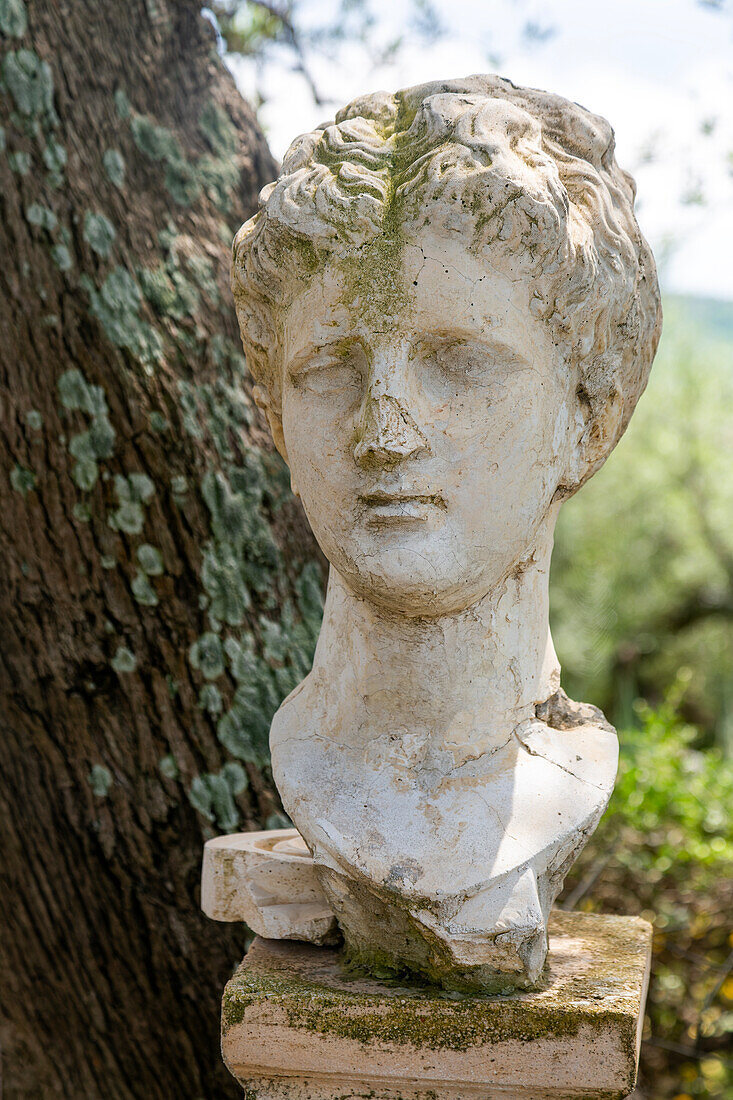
pixel 599 992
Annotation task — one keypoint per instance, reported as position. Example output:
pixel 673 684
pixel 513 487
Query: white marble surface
pixel 450 313
pixel 267 880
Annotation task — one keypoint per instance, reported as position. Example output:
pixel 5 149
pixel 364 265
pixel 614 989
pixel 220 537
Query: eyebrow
pixel 494 343
pixel 311 350
pixel 457 335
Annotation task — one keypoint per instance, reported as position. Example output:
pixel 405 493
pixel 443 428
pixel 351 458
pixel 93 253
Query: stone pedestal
pixel 297 1026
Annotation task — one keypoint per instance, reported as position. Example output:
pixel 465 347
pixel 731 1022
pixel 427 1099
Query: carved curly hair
pixel 536 175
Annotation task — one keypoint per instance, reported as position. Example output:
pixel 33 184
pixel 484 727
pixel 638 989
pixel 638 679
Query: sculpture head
pixel 450 314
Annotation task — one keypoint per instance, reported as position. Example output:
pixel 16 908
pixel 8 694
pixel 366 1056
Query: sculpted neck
pixel 461 681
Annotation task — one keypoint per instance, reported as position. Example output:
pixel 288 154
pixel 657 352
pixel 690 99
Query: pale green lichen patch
pixel 34 420
pixel 263 680
pixel 13 18
pixel 207 655
pixel 114 166
pixel 19 162
pixel 99 233
pixel 168 767
pixel 54 157
pixel 30 82
pixel 133 493
pixel 122 104
pixel 150 559
pixel 210 699
pixel 159 144
pixel 22 480
pixel 154 142
pixel 116 304
pixel 213 794
pixel 97 441
pixel 82 512
pixel 100 780
pixel 182 182
pixel 61 257
pixel 218 129
pixel 76 393
pixel 41 216
pixel 218 176
pixel 168 291
pixel 143 591
pixel 124 660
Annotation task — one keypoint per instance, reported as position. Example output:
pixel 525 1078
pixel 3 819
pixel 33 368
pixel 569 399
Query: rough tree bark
pixel 160 589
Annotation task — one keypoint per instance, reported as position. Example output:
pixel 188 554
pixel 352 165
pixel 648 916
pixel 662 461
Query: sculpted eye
pixel 336 370
pixel 450 362
pixel 470 360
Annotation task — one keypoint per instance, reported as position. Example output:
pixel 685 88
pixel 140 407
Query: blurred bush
pixel 642 581
pixel 665 850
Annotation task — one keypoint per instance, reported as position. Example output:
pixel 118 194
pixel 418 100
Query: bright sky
pixel 661 71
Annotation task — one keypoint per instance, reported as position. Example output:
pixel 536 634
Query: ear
pixel 275 422
pixel 599 423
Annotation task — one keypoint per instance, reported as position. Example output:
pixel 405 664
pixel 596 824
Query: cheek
pixel 317 454
pixel 510 449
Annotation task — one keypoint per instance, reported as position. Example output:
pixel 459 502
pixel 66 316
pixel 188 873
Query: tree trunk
pixel 161 592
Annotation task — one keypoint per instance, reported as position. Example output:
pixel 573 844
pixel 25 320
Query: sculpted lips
pixel 383 506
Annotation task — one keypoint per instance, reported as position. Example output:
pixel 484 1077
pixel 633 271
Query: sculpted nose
pixel 387 432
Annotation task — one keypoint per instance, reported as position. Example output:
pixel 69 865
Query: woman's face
pixel 427 439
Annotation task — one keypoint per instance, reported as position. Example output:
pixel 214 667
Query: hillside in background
pixel 713 315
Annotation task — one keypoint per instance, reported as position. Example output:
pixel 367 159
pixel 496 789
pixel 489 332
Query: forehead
pixel 434 284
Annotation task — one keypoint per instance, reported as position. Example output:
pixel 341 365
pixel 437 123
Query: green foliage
pixel 13 18
pixel 249 28
pixel 665 849
pixel 642 576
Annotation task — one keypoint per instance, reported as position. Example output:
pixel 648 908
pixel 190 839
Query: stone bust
pixel 450 314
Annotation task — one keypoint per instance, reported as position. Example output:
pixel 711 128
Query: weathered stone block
pixel 297 1026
